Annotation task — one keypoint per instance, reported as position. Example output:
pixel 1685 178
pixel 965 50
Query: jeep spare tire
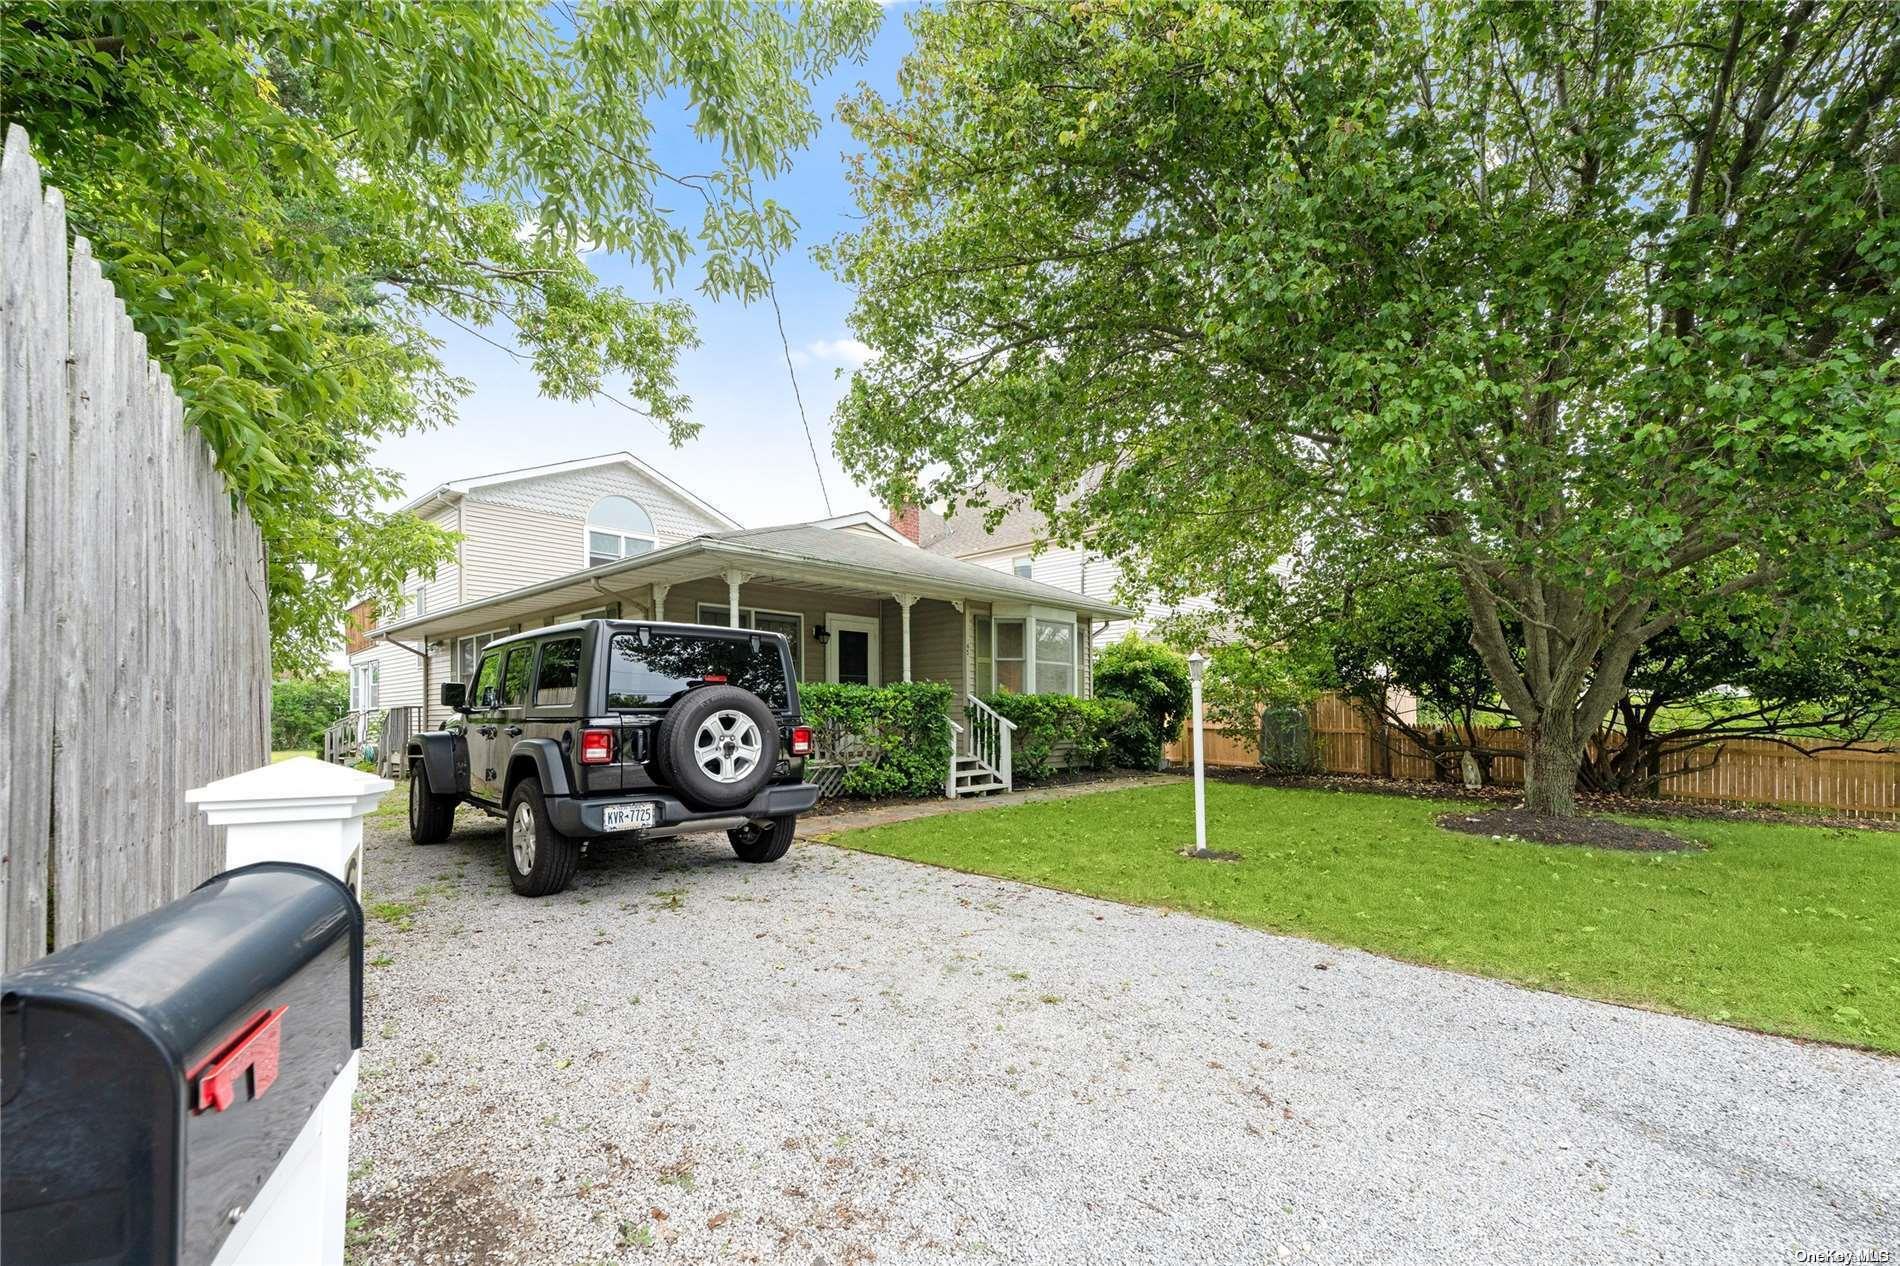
pixel 717 746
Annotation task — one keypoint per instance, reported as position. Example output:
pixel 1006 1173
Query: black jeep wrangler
pixel 618 728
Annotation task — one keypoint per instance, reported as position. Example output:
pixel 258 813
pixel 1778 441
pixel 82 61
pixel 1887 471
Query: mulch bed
pixel 1588 832
pixel 1588 802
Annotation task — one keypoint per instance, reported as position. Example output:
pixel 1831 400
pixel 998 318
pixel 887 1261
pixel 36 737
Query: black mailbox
pixel 153 1076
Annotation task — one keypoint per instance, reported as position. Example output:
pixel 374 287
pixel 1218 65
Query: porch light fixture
pixel 820 634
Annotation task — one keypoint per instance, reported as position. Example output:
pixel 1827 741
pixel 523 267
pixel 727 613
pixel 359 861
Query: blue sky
pixel 750 458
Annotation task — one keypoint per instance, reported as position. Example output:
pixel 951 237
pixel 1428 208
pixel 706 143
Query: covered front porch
pixel 856 609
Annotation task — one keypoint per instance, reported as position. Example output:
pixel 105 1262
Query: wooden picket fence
pixel 1861 781
pixel 134 636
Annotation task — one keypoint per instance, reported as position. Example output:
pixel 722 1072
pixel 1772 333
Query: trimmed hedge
pixel 904 726
pixel 1044 723
pixel 1154 679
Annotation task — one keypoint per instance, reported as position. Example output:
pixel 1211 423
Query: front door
pixel 851 653
pixel 516 675
pixel 482 726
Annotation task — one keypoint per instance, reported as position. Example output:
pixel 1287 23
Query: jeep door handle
pixel 487 731
pixel 513 731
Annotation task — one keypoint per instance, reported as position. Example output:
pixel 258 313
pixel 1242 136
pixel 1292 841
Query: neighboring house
pixel 1018 544
pixel 609 536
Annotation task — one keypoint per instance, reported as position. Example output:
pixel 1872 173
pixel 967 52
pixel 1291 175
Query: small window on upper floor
pixel 1022 567
pixel 618 528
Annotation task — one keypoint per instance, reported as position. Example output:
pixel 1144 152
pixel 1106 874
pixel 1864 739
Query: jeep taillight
pixel 801 740
pixel 597 747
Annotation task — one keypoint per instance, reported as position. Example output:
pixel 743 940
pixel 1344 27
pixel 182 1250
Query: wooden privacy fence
pixel 134 638
pixel 1862 781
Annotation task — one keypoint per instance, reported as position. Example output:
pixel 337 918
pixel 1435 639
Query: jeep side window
pixel 514 678
pixel 557 681
pixel 487 677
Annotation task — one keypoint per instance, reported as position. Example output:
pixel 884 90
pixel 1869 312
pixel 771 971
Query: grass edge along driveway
pixel 1787 929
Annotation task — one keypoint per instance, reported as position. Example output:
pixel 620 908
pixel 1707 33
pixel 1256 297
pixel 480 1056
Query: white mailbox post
pixel 308 811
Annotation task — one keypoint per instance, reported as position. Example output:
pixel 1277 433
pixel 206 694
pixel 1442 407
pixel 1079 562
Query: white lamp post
pixel 1197 664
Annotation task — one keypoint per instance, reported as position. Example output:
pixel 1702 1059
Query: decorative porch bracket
pixel 659 600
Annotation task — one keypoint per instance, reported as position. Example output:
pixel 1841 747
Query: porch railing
pixel 388 730
pixel 989 737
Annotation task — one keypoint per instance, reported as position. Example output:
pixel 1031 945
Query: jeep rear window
pixel 669 664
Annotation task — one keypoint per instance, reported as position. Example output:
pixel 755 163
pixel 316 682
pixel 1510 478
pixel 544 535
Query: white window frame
pixel 366 686
pixel 621 538
pixel 1029 617
pixel 1023 566
pixel 982 666
pixel 1030 646
pixel 721 612
pixel 475 653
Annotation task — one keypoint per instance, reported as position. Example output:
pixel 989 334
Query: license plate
pixel 630 817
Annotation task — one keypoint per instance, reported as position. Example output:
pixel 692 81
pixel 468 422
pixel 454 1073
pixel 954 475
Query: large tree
pixel 1593 304
pixel 293 196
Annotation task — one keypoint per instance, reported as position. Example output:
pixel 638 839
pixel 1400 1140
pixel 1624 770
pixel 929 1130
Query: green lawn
pixel 1788 929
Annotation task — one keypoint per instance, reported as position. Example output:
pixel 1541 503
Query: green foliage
pixel 904 727
pixel 292 198
pixel 1080 732
pixel 1788 929
pixel 300 708
pixel 1592 308
pixel 1154 678
pixel 1244 678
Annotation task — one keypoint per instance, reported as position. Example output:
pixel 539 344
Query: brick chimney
pixel 906 520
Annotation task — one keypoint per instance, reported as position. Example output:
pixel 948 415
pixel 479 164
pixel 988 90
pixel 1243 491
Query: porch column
pixel 968 657
pixel 734 578
pixel 906 601
pixel 659 600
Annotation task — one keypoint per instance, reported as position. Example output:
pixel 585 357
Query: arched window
pixel 618 528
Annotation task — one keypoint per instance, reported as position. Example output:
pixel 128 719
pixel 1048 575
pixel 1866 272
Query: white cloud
pixel 832 351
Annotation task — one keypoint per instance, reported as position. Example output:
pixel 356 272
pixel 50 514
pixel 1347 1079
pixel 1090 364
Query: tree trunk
pixel 1550 773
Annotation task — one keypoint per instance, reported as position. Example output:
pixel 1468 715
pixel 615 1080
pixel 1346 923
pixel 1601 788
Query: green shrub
pixel 300 708
pixel 1154 679
pixel 1243 679
pixel 904 730
pixel 1045 723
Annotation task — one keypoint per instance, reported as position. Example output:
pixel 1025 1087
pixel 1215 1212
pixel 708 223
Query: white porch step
pixel 989 784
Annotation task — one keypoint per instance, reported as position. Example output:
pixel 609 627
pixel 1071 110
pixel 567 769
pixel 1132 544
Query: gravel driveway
pixel 846 1058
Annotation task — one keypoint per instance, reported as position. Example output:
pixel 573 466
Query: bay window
pixel 1055 657
pixel 1010 671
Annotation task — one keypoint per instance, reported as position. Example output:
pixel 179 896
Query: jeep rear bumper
pixel 583 818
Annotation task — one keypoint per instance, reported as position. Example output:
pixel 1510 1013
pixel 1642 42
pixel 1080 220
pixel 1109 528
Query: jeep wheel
pixel 717 746
pixel 541 860
pixel 762 841
pixel 431 817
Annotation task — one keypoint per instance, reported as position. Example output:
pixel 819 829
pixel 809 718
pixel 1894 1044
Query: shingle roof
pixel 964 533
pixel 855 549
pixel 849 559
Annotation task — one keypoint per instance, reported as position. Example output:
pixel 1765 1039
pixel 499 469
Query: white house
pixel 1019 545
pixel 858 601
pixel 517 527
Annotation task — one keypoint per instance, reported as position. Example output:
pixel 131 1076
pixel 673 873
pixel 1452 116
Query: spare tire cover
pixel 717 746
